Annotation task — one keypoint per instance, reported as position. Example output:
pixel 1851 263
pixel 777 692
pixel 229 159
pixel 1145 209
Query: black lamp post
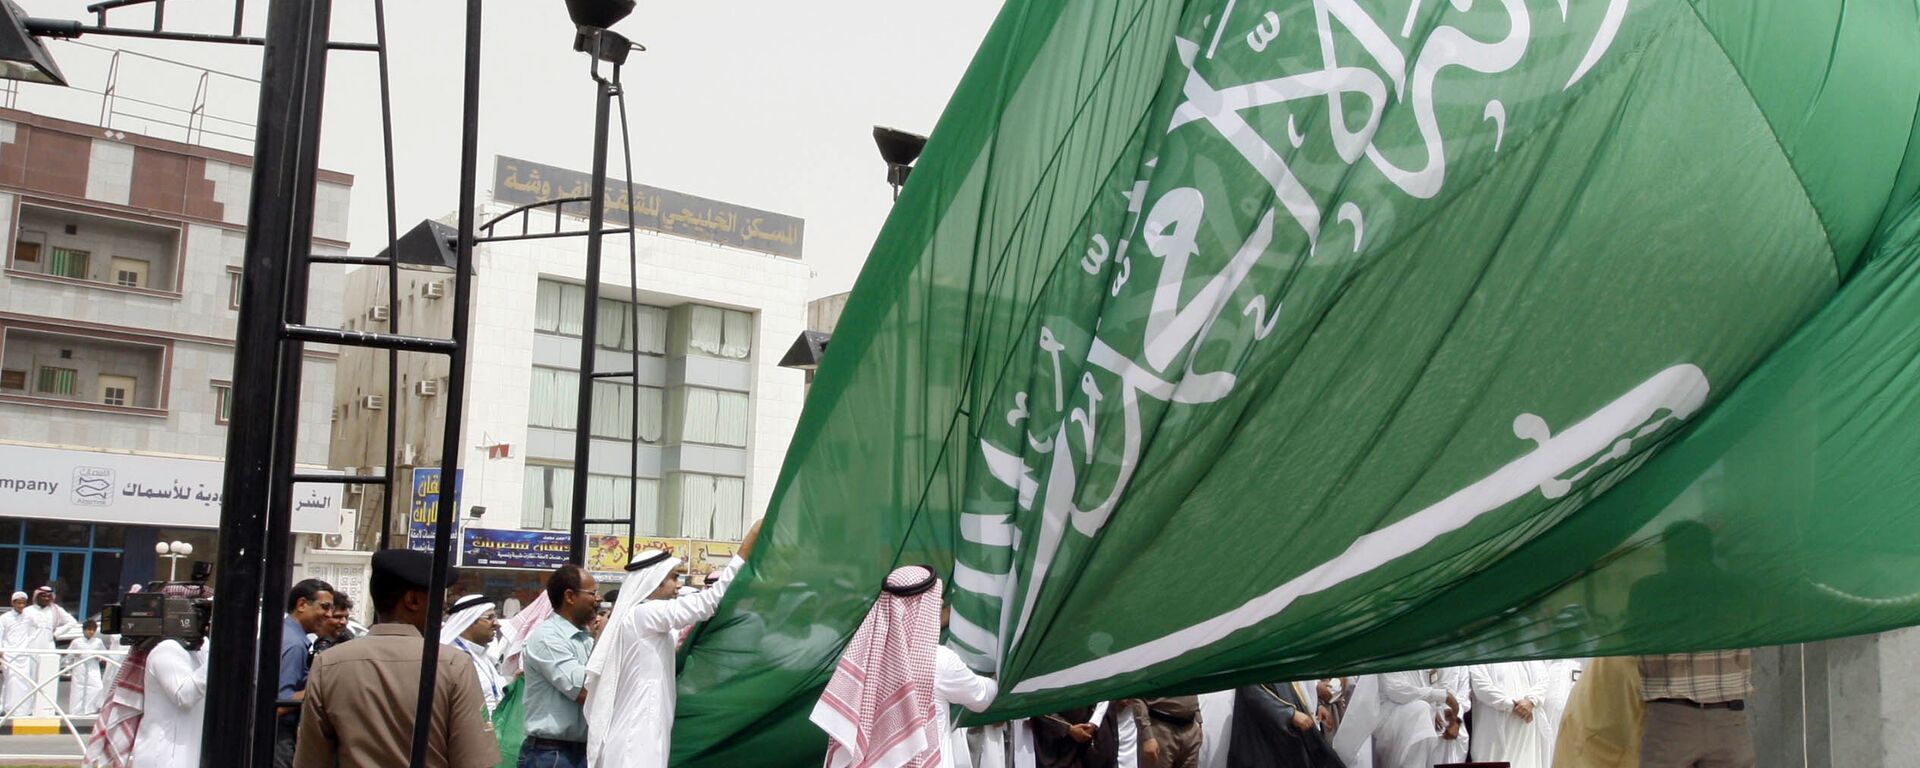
pixel 591 19
pixel 899 148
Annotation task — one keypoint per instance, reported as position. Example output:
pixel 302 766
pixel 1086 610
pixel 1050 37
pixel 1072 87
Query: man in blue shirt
pixel 555 661
pixel 309 604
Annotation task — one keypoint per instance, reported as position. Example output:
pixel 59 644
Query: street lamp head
pixel 22 56
pixel 899 149
pixel 162 548
pixel 598 14
pixel 182 548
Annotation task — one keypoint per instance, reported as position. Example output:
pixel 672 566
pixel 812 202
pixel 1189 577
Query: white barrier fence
pixel 43 700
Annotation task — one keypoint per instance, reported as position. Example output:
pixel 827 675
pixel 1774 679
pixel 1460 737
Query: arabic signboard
pixel 606 553
pixel 650 208
pixel 490 548
pixel 423 511
pixel 93 486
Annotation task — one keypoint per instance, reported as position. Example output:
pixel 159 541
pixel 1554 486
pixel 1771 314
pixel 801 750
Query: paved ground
pixel 39 751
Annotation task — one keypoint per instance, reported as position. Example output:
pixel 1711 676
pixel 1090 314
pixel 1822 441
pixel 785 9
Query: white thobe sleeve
pixel 1488 685
pixel 953 681
pixel 681 612
pixel 181 680
pixel 1542 683
pixel 64 626
pixel 1405 688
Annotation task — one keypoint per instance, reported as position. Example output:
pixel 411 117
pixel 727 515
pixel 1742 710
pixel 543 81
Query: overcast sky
pixel 765 103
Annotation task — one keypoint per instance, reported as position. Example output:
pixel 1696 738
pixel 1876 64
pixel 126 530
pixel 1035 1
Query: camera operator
pixel 172 702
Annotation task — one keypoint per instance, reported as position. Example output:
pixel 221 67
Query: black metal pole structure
pixel 589 325
pixel 393 285
pixel 256 490
pixel 451 445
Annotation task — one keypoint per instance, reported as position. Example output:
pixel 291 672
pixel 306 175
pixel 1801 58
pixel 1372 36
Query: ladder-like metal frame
pixel 256 536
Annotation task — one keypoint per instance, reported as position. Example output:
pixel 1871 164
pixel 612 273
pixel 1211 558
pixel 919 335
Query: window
pixel 117 390
pixel 233 289
pixel 26 252
pixel 64 382
pixel 617 330
pixel 607 499
pixel 13 380
pixel 223 404
pixel 709 506
pixel 547 498
pixel 713 417
pixel 719 332
pixel 548 501
pixel 613 411
pixel 559 308
pixel 555 402
pixel 68 262
pixel 129 273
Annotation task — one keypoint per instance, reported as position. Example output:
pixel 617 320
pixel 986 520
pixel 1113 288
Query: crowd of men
pixel 578 678
pixel 1666 711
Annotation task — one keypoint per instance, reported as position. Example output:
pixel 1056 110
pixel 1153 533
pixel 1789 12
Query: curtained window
pixel 709 506
pixel 618 330
pixel 547 499
pixel 714 417
pixel 548 502
pixel 555 399
pixel 613 411
pixel 719 332
pixel 559 308
pixel 607 498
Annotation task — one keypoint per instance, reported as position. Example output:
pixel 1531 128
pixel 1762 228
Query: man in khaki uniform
pixel 360 699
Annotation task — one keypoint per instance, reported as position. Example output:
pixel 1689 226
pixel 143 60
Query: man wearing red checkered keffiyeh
pixel 886 705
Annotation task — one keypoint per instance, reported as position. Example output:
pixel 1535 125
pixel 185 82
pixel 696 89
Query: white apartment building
pixel 118 305
pixel 715 413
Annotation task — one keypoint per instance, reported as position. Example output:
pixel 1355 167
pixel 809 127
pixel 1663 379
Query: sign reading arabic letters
pixel 91 486
pixel 423 512
pixel 487 547
pixel 659 210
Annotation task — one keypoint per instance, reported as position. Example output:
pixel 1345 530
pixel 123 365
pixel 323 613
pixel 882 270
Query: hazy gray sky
pixel 763 103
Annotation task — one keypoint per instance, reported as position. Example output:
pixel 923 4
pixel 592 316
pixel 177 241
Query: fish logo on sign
pixel 93 486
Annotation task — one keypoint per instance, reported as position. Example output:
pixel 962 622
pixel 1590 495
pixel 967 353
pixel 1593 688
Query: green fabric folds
pixel 1241 340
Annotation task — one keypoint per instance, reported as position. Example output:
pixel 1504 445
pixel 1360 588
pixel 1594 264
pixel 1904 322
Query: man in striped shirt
pixel 1696 710
pixel 1696 702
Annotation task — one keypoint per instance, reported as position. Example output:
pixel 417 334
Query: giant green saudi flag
pixel 1222 341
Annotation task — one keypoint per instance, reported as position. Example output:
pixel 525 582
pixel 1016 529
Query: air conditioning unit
pixel 407 454
pixel 349 523
pixel 428 388
pixel 373 402
pixel 433 290
pixel 379 314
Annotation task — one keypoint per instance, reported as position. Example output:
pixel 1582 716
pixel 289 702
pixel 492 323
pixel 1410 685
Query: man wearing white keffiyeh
pixel 469 627
pixel 887 704
pixel 630 677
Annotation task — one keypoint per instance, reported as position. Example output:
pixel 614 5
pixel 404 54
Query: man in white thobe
pixel 50 622
pixel 16 637
pixel 888 702
pixel 1561 675
pixel 1419 709
pixel 174 707
pixel 89 688
pixel 630 676
pixel 1509 725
